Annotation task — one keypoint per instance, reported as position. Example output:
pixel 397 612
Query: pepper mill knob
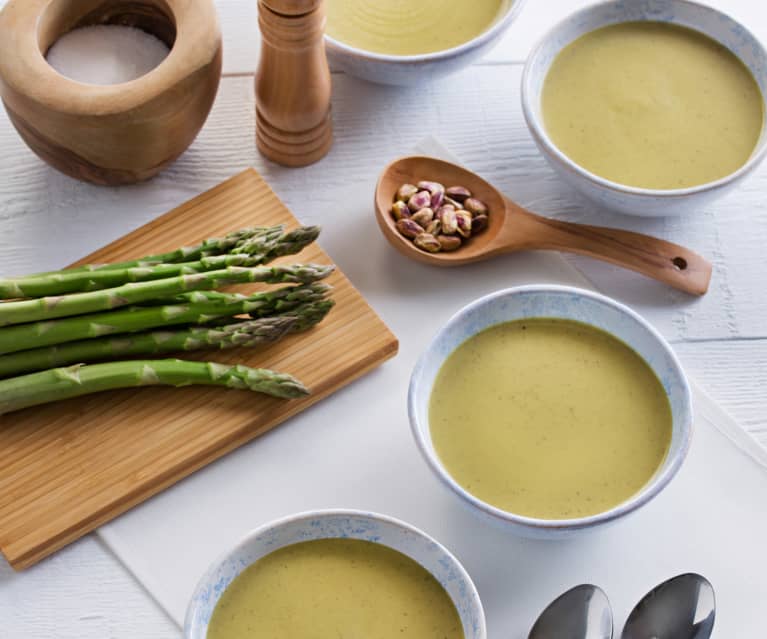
pixel 293 86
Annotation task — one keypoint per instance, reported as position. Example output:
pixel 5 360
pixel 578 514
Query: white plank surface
pixel 239 26
pixel 241 53
pixel 47 220
pixel 82 592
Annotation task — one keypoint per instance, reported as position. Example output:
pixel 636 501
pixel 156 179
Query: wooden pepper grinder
pixel 293 86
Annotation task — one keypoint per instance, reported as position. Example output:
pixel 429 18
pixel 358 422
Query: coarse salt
pixel 106 54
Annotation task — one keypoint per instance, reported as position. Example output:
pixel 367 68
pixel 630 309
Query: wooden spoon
pixel 513 228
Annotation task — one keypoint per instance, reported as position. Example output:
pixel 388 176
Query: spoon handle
pixel 670 263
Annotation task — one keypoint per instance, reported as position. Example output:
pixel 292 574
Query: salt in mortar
pixel 106 54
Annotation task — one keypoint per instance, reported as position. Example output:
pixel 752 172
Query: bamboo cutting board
pixel 69 467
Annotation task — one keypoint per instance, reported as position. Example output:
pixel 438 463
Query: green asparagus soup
pixel 549 418
pixel 652 105
pixel 405 27
pixel 333 588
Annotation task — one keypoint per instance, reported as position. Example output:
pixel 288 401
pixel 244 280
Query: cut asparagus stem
pixel 248 334
pixel 83 379
pixel 211 246
pixel 258 250
pixel 197 309
pixel 47 308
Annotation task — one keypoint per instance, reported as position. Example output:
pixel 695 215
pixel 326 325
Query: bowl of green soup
pixel 652 107
pixel 550 409
pixel 339 573
pixel 408 43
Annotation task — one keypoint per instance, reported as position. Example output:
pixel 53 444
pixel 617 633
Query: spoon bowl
pixel 683 608
pixel 513 228
pixel 583 612
pixel 415 168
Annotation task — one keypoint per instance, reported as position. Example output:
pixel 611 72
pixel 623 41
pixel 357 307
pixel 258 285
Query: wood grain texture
pixel 68 467
pixel 114 134
pixel 293 124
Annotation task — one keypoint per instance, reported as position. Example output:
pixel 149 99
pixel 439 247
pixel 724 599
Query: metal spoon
pixel 681 608
pixel 513 228
pixel 583 612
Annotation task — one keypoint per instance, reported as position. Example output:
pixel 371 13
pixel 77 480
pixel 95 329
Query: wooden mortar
pixel 109 134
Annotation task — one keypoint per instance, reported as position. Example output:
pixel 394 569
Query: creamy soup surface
pixel 549 418
pixel 405 27
pixel 652 105
pixel 335 588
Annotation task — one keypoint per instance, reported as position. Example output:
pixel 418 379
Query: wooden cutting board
pixel 69 467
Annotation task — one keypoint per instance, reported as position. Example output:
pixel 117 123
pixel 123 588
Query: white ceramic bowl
pixel 326 524
pixel 611 195
pixel 566 303
pixel 409 70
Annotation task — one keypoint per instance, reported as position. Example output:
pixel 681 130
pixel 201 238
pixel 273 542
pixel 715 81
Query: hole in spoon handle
pixel 680 263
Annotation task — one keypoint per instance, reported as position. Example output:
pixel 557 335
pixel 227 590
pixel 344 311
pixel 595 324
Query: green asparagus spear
pixel 230 334
pixel 47 308
pixel 83 379
pixel 290 295
pixel 140 318
pixel 260 249
pixel 290 243
pixel 249 334
pixel 211 246
pixel 307 315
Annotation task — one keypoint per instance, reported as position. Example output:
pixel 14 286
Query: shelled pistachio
pixel 475 206
pixel 479 224
pixel 406 191
pixel 458 193
pixel 423 217
pixel 449 242
pixel 436 190
pixel 436 218
pixel 427 242
pixel 434 228
pixel 449 219
pixel 463 223
pixel 400 210
pixel 419 201
pixel 409 229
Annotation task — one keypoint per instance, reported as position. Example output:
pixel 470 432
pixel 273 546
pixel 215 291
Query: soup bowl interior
pixel 563 303
pixel 627 199
pixel 348 524
pixel 412 70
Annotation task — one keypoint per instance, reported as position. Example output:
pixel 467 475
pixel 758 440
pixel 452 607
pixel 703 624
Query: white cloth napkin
pixel 355 450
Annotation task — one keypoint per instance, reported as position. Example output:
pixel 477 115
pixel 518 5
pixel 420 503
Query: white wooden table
pixel 48 220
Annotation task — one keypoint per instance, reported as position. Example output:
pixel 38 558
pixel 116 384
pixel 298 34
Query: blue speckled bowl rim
pixel 539 131
pixel 486 36
pixel 640 499
pixel 330 513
